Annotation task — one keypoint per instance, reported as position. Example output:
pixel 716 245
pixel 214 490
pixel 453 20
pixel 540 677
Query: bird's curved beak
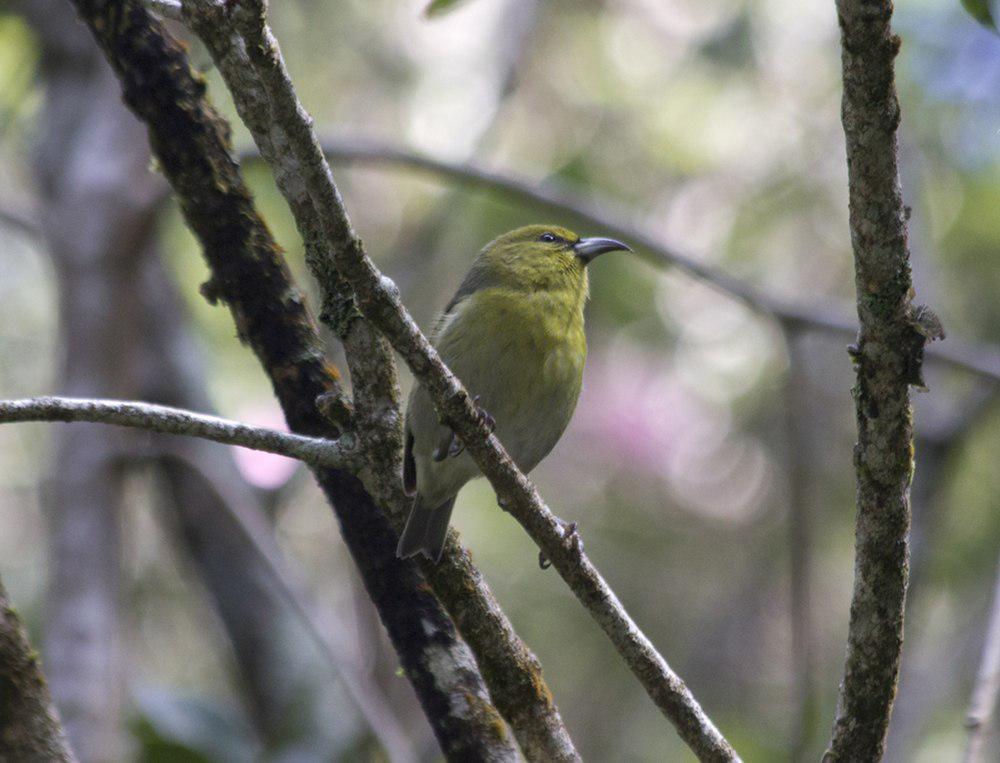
pixel 589 248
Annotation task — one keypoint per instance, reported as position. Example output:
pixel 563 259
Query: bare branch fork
pixel 379 302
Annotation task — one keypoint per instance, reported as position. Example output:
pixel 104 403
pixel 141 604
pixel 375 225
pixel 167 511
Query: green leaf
pixel 981 11
pixel 441 7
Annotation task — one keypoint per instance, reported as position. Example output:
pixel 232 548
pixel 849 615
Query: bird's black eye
pixel 548 238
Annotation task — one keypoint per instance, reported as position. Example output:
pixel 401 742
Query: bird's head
pixel 542 257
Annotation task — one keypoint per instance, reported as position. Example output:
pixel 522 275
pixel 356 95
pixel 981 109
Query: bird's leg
pixel 455 446
pixel 569 533
pixel 449 447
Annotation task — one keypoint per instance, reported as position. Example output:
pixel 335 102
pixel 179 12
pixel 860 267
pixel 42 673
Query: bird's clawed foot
pixel 570 535
pixel 484 416
pixel 454 447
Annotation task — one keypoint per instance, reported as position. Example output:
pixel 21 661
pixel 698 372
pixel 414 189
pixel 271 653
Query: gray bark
pixel 888 358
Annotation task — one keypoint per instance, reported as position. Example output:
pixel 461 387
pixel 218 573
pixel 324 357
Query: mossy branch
pixel 29 725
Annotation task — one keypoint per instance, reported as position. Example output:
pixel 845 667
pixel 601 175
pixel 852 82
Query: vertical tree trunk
pixel 90 221
pixel 887 356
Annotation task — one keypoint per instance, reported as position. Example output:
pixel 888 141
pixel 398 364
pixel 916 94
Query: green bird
pixel 513 333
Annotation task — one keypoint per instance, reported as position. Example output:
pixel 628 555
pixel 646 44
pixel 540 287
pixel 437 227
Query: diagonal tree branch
pixel 190 142
pixel 315 451
pixel 888 356
pixel 29 724
pixel 513 673
pixel 379 301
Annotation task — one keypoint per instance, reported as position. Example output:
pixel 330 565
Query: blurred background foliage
pixel 716 126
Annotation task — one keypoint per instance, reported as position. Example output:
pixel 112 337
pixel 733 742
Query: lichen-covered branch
pixel 315 451
pixel 29 724
pixel 378 299
pixel 376 404
pixel 512 672
pixel 248 273
pixel 887 357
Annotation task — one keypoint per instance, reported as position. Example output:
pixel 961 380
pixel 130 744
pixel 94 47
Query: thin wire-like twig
pixel 316 451
pixel 379 301
pixel 984 693
pixel 795 410
pixel 167 420
pixel 982 360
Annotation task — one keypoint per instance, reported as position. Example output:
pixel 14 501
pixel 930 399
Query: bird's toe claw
pixel 570 532
pixel 570 535
pixel 456 448
pixel 484 416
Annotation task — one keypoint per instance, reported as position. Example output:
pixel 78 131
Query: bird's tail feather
pixel 426 530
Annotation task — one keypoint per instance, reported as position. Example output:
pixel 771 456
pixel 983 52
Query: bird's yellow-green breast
pixel 513 333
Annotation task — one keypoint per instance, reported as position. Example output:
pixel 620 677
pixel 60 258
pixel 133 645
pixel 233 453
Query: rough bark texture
pixel 512 672
pixel 29 724
pixel 888 357
pixel 191 144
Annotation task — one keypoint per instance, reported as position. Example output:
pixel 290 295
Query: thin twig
pixel 984 693
pixel 316 451
pixel 379 301
pixel 21 219
pixel 982 360
pixel 888 357
pixel 795 410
